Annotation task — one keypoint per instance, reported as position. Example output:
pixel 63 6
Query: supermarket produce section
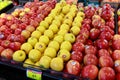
pixel 60 40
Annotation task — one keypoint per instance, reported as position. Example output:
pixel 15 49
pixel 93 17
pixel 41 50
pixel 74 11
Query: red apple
pixel 7 53
pixel 87 21
pixel 30 28
pixel 22 26
pixel 106 35
pixel 2 36
pixel 77 55
pixel 89 42
pixel 78 46
pixel 94 33
pixel 117 77
pixel 1 49
pixel 110 24
pixel 34 23
pixel 106 73
pixel 90 59
pixel 116 44
pixel 15 46
pixel 17 31
pixel 73 67
pixel 103 52
pixel 85 32
pixel 106 29
pixel 116 54
pixel 19 38
pixel 106 15
pixel 5 43
pixel 87 26
pixel 11 37
pixel 81 38
pixel 105 61
pixel 89 49
pixel 116 37
pixel 14 26
pixel 3 27
pixel 117 65
pixel 102 44
pixel 89 12
pixel 89 71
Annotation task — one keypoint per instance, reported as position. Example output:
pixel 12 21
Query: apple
pixel 117 77
pixel 17 31
pixel 89 49
pixel 49 33
pixel 2 36
pixel 69 37
pixel 77 55
pixel 94 33
pixel 5 43
pixel 106 28
pixel 15 46
pixel 59 38
pixel 87 26
pixel 107 14
pixel 117 66
pixel 34 23
pixel 54 44
pixel 105 61
pixel 14 26
pixel 102 44
pixel 85 32
pixel 103 52
pixel 25 34
pixel 111 24
pixel 89 42
pixel 1 49
pixel 78 46
pixel 22 26
pixel 116 54
pixel 30 28
pixel 40 46
pixel 115 44
pixel 7 53
pixel 19 56
pixel 90 59
pixel 3 27
pixel 36 34
pixel 106 73
pixel 89 71
pixel 26 47
pixel 11 37
pixel 19 38
pixel 116 37
pixel 81 38
pixel 66 45
pixel 87 21
pixel 106 35
pixel 73 67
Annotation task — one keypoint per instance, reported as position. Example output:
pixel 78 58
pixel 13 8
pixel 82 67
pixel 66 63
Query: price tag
pixel 34 74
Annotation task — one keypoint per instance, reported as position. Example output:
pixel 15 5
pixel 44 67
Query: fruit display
pixel 4 4
pixel 17 27
pixel 63 37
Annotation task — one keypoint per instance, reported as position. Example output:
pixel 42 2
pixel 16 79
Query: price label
pixel 34 74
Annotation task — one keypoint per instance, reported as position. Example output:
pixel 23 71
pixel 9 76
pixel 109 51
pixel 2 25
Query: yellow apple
pixel 41 29
pixel 44 39
pixel 76 23
pixel 81 14
pixel 59 17
pixel 30 28
pixel 69 37
pixel 52 15
pixel 78 19
pixel 54 28
pixel 34 55
pixel 57 64
pixel 28 63
pixel 36 34
pixel 44 24
pixel 32 41
pixel 75 30
pixel 40 46
pixel 66 9
pixel 59 38
pixel 19 56
pixel 56 22
pixel 49 33
pixel 22 14
pixel 48 19
pixel 54 44
pixel 65 26
pixel 68 22
pixel 62 32
pixel 51 52
pixel 26 9
pixel 64 54
pixel 45 61
pixel 26 47
pixel 66 45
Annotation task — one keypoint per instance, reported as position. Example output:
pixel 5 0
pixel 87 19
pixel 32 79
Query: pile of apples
pixel 15 28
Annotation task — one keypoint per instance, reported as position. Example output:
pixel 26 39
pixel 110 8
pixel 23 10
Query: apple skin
pixel 11 37
pixel 87 21
pixel 17 31
pixel 90 59
pixel 87 26
pixel 102 44
pixel 106 73
pixel 116 44
pixel 81 38
pixel 105 61
pixel 103 52
pixel 7 53
pixel 85 32
pixel 77 55
pixel 78 46
pixel 89 71
pixel 5 43
pixel 15 46
pixel 89 49
pixel 116 55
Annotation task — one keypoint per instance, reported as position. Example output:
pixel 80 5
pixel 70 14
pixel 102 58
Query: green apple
pixel 51 52
pixel 65 26
pixel 34 55
pixel 41 29
pixel 44 23
pixel 59 38
pixel 36 34
pixel 54 44
pixel 75 30
pixel 66 45
pixel 62 32
pixel 45 61
pixel 44 39
pixel 49 33
pixel 65 54
pixel 19 56
pixel 69 37
pixel 54 28
pixel 32 41
pixel 26 47
pixel 48 19
pixel 40 46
